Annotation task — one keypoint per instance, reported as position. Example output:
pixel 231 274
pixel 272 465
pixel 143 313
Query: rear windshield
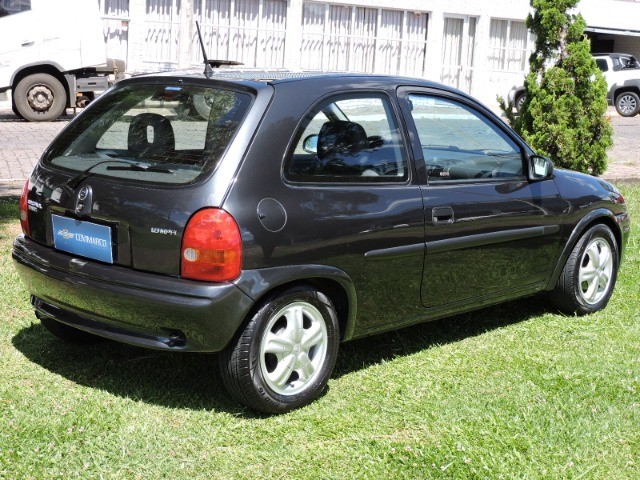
pixel 152 133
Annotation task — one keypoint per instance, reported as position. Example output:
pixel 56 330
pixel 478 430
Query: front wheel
pixel 587 280
pixel 284 357
pixel 40 98
pixel 628 104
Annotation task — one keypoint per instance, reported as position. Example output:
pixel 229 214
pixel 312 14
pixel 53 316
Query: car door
pixel 491 233
pixel 345 200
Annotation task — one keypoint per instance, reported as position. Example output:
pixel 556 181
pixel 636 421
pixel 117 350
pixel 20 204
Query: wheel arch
pixel 333 282
pixel 599 216
pixel 48 68
pixel 627 87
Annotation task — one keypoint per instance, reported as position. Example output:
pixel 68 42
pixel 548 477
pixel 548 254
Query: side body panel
pixel 372 232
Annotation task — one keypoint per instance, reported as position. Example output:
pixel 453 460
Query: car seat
pixel 139 140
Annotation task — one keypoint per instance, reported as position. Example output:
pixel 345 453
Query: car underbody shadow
pixel 192 380
pixel 362 353
pixel 171 379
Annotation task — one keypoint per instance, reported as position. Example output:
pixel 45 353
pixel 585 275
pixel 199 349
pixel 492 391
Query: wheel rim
pixel 40 98
pixel 596 267
pixel 293 348
pixel 627 104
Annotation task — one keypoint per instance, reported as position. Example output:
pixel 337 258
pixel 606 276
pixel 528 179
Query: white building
pixel 478 46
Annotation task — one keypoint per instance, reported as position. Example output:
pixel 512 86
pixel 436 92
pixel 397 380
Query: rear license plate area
pixel 87 239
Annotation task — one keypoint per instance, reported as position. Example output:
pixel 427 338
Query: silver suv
pixel 622 73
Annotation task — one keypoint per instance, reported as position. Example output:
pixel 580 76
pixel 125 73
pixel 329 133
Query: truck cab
pixel 52 55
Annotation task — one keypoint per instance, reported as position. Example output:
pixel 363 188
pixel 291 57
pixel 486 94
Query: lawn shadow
pixel 369 351
pixel 192 380
pixel 171 379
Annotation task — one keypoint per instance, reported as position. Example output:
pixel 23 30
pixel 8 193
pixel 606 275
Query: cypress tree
pixel 563 116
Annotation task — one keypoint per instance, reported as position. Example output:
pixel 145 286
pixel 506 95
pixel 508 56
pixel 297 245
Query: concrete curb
pixel 11 188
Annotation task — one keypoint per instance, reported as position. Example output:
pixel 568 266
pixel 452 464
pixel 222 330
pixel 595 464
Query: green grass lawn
pixel 515 391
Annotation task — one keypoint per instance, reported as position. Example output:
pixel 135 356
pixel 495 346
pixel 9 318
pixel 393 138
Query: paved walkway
pixel 22 143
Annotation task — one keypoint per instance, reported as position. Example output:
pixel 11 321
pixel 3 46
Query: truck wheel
pixel 40 98
pixel 628 104
pixel 15 110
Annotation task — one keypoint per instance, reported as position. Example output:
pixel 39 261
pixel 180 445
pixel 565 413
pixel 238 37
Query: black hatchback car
pixel 271 216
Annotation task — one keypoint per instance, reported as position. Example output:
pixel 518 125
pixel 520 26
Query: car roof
pixel 612 55
pixel 280 76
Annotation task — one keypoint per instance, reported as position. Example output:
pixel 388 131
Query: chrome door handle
pixel 442 215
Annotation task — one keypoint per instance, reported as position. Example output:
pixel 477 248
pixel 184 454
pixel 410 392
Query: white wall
pixel 160 37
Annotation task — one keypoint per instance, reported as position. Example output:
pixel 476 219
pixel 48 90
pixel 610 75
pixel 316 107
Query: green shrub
pixel 563 116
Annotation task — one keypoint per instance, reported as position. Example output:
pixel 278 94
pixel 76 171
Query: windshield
pixel 152 133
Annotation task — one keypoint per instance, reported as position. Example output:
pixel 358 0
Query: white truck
pixel 52 56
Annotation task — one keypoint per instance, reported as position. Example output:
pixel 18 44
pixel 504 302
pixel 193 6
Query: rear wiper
pixel 70 185
pixel 139 168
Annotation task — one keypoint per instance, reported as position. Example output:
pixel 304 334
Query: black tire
pixel 628 104
pixel 15 110
pixel 69 334
pixel 520 101
pixel 587 279
pixel 274 382
pixel 40 98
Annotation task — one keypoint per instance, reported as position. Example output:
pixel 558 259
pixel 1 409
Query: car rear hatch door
pixel 122 180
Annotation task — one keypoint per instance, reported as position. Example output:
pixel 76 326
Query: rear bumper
pixel 138 308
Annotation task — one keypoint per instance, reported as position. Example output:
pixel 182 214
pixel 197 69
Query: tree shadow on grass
pixel 192 380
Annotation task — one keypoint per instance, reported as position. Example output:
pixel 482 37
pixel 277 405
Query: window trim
pixel 209 168
pixel 392 110
pixel 416 148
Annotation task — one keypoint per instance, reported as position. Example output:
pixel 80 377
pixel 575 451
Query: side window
pixel 349 139
pixel 602 64
pixel 9 7
pixel 459 144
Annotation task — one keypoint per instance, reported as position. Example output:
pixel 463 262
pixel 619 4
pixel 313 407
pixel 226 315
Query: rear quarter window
pixel 349 139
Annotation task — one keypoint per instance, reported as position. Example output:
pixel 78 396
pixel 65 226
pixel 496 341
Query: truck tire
pixel 15 110
pixel 628 104
pixel 40 97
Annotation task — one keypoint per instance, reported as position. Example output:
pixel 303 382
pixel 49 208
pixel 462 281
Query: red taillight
pixel 211 247
pixel 23 209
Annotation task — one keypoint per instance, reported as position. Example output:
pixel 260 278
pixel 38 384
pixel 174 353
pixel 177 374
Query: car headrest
pixel 341 137
pixel 162 139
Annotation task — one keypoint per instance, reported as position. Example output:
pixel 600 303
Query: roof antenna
pixel 208 71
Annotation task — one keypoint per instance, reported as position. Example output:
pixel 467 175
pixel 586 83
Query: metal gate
pixel 361 39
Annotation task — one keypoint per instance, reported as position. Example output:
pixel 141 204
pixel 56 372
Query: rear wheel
pixel 68 334
pixel 628 104
pixel 587 280
pixel 284 357
pixel 40 97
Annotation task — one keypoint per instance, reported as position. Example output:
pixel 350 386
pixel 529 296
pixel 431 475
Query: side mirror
pixel 540 168
pixel 310 144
